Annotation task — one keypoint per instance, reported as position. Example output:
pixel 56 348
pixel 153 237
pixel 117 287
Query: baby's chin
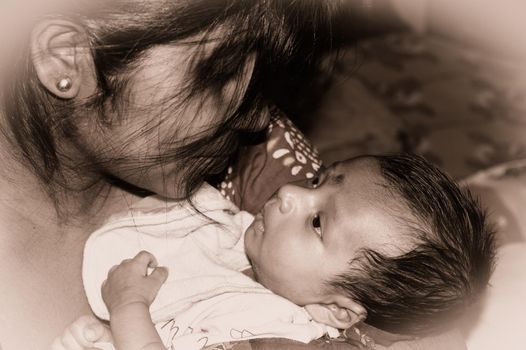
pixel 254 236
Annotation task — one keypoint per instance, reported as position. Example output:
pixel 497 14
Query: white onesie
pixel 206 299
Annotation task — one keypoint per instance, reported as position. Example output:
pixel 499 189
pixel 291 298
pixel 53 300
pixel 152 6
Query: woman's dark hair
pixel 420 291
pixel 277 33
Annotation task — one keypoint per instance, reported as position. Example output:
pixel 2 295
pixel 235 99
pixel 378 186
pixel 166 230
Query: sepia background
pixel 449 83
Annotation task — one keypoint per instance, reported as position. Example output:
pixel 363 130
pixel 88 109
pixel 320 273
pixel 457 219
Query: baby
pixel 389 240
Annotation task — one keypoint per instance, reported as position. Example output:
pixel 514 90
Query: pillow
pixel 502 190
pixel 497 321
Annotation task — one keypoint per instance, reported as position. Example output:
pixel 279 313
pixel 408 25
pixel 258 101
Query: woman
pixel 110 100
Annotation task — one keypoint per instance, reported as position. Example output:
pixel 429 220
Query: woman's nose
pixel 290 196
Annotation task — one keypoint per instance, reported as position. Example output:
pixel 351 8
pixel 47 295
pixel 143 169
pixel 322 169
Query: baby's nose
pixel 290 197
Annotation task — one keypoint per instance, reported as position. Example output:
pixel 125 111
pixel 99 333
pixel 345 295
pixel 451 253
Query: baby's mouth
pixel 259 224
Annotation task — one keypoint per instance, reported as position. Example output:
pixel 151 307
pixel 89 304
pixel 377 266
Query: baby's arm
pixel 128 293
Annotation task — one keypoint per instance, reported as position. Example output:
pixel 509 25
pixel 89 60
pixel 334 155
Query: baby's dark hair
pixel 418 292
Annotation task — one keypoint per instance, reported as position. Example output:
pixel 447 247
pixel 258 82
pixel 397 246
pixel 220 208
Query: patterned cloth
pixel 286 156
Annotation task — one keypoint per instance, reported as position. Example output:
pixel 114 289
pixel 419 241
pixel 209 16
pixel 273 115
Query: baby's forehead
pixel 360 173
pixel 362 162
pixel 371 205
pixel 367 172
pixel 373 226
pixel 354 169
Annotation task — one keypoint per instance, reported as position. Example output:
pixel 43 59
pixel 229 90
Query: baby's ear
pixel 342 314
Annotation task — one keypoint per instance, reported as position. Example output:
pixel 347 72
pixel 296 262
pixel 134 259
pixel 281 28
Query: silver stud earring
pixel 64 84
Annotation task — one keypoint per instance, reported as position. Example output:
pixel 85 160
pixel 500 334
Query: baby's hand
pixel 129 282
pixel 82 335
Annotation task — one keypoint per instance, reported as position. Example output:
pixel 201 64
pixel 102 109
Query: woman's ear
pixel 342 314
pixel 62 59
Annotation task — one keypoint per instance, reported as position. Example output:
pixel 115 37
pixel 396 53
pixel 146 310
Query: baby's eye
pixel 316 224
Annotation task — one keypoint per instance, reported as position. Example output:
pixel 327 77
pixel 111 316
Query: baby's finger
pixel 69 342
pixel 97 332
pixel 78 328
pixel 160 274
pixel 113 268
pixel 145 259
pixel 103 346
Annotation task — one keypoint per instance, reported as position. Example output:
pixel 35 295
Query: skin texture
pixel 309 233
pixel 128 292
pixel 153 119
pixel 329 220
pixel 41 247
pixel 150 127
pixel 82 334
pixel 41 254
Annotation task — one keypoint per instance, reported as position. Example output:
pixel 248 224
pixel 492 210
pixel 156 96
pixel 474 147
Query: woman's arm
pixel 128 293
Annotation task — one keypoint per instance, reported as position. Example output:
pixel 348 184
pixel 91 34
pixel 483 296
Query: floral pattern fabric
pixel 285 156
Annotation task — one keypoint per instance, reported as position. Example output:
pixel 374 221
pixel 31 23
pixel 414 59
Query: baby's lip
pixel 259 223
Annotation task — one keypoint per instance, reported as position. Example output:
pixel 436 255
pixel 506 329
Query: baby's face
pixel 308 233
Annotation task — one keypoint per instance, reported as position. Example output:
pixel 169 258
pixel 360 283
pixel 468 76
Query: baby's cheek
pixel 251 245
pixel 287 259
